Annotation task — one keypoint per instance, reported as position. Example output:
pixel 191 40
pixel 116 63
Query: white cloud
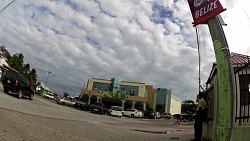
pixel 144 41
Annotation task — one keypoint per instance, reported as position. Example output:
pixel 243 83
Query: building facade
pixel 157 99
pixel 175 105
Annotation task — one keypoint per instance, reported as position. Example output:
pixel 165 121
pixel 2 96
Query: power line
pixel 7 6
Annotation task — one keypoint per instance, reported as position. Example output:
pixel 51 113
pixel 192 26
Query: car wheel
pixel 132 116
pixel 31 97
pixel 6 90
pixel 19 94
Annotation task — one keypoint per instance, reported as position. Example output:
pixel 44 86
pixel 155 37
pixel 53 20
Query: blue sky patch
pixel 160 13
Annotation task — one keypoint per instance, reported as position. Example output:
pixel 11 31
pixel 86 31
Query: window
pixel 244 81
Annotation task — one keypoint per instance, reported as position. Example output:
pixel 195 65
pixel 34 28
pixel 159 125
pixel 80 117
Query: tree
pixel 160 108
pixel 65 94
pixel 188 106
pixel 32 77
pixel 16 62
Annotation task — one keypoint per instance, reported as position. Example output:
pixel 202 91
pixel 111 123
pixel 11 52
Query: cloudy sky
pixel 150 41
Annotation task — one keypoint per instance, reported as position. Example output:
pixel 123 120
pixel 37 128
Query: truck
pixel 17 84
pixel 97 107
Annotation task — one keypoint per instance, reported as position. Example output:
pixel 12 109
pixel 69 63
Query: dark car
pixel 149 114
pixel 97 107
pixel 17 84
pixel 82 105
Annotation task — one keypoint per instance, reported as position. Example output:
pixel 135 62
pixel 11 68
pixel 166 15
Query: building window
pixel 101 86
pixel 244 81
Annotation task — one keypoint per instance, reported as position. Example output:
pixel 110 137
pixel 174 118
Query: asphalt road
pixel 42 120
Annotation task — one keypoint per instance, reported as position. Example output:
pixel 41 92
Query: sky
pixel 148 41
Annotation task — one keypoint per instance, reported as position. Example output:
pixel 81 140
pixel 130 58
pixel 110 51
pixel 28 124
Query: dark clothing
pixel 200 117
pixel 198 126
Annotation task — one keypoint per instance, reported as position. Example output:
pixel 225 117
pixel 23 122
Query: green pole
pixel 225 81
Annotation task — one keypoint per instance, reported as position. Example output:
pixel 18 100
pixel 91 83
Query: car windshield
pixel 117 108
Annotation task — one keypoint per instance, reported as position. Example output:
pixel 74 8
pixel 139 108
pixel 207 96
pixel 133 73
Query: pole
pixel 47 78
pixel 198 43
pixel 224 118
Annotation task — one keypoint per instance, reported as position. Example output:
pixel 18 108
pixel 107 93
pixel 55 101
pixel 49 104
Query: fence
pixel 242 97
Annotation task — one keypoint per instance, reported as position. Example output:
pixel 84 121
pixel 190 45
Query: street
pixel 42 120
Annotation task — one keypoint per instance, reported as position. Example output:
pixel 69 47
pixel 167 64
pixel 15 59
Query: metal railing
pixel 242 97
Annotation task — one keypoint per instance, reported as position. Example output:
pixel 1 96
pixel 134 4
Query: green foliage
pixel 160 108
pixel 188 106
pixel 16 62
pixel 65 94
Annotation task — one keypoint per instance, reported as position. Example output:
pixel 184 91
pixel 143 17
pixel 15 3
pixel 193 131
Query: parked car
pixel 82 105
pixel 133 113
pixel 17 84
pixel 49 96
pixel 116 111
pixel 66 101
pixel 97 107
pixel 149 114
pixel 187 117
pixel 166 115
pixel 157 115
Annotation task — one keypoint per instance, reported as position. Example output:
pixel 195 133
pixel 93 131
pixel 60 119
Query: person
pixel 178 118
pixel 200 117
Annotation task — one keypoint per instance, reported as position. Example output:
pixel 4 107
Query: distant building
pixel 165 102
pixel 3 63
pixel 136 93
pixel 175 105
pixel 41 89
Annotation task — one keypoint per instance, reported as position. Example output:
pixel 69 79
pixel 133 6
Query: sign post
pixel 206 12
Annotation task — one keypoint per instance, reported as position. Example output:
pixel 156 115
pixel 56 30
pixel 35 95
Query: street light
pixel 47 78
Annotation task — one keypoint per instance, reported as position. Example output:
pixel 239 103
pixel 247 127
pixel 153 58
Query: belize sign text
pixel 203 10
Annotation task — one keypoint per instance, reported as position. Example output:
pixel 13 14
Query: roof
pixel 239 58
pixel 236 58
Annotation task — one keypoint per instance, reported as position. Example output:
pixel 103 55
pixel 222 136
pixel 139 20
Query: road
pixel 43 120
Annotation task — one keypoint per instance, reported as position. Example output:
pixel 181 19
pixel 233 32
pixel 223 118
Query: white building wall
pixel 175 105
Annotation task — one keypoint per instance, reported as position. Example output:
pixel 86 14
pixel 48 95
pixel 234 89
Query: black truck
pixel 17 84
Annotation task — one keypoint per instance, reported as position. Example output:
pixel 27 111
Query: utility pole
pixel 225 92
pixel 49 72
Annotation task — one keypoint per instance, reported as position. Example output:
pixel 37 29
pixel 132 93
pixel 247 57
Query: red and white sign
pixel 203 10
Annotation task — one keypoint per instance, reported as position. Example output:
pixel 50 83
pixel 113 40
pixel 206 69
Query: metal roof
pixel 239 58
pixel 236 59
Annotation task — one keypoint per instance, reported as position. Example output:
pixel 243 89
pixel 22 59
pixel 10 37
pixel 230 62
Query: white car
pixel 66 101
pixel 133 113
pixel 116 111
pixel 49 95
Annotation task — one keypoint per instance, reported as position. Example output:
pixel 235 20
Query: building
pixel 241 100
pixel 41 89
pixel 130 94
pixel 165 102
pixel 175 105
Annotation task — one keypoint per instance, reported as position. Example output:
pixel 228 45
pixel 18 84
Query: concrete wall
pixel 92 80
pixel 175 105
pixel 150 95
pixel 209 128
pixel 241 133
